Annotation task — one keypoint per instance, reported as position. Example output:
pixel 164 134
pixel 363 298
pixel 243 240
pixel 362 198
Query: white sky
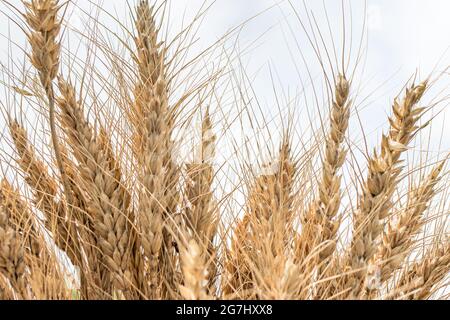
pixel 405 36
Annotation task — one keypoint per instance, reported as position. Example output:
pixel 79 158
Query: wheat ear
pixel 109 201
pixel 397 241
pixel 12 254
pixel 42 17
pixel 154 151
pixel 418 280
pixel 269 215
pixel 44 192
pixel 375 201
pixel 320 224
pixel 195 272
pixel 200 214
pixel 237 277
pixel 44 276
pixel 22 219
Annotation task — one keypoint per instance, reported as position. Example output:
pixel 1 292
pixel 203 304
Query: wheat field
pixel 125 174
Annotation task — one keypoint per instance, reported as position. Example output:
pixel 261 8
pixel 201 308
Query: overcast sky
pixel 405 36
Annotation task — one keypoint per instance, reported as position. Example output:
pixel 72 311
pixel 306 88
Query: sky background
pixel 403 38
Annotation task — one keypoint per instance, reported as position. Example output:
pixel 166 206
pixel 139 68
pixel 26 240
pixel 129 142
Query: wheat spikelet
pixel 375 202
